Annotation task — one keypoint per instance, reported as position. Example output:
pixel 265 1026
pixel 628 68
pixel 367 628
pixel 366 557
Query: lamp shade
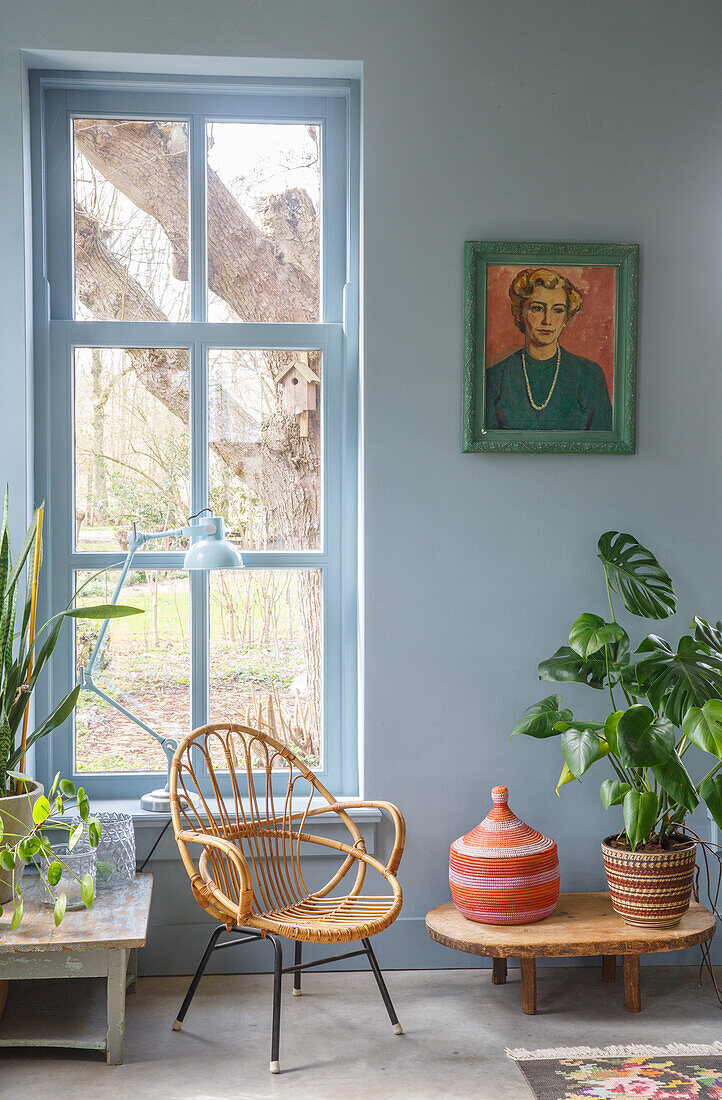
pixel 210 549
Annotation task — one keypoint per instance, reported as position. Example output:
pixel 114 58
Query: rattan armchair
pixel 249 850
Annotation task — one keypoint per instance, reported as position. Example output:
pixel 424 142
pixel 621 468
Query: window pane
pixel 131 219
pixel 264 194
pixel 131 444
pixel 266 654
pixel 144 664
pixel 265 446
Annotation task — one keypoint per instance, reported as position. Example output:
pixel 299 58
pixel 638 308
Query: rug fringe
pixel 639 1050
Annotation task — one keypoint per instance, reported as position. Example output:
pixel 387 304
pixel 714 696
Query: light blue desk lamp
pixel 209 549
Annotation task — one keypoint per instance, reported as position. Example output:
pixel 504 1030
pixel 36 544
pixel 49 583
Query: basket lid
pixel 502 835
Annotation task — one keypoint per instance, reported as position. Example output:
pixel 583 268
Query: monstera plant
pixel 664 704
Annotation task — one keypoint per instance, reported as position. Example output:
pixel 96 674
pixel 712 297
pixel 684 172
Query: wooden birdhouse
pixel 299 385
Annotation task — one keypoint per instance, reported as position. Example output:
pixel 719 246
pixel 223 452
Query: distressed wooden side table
pixel 581 924
pixel 90 943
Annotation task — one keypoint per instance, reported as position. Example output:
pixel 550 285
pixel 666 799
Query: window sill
pixel 367 815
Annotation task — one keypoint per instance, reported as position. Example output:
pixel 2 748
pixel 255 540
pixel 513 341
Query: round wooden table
pixel 581 924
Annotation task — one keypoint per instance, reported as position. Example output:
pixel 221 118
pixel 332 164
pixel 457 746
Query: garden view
pixel 133 452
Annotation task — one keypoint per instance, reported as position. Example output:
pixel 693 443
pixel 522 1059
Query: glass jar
pixel 116 850
pixel 76 865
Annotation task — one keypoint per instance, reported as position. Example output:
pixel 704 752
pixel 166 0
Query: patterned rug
pixel 675 1072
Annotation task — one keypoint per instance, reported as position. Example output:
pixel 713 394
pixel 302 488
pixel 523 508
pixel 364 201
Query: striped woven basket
pixel 650 888
pixel 504 872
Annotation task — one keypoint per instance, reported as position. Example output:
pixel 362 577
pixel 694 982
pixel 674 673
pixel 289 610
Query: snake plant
pixel 22 658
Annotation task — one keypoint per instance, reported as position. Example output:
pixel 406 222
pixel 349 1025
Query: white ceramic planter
pixel 16 813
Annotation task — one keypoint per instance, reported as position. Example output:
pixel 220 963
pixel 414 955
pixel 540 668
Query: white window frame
pixel 334 105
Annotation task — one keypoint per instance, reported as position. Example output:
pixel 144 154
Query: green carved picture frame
pixel 486 266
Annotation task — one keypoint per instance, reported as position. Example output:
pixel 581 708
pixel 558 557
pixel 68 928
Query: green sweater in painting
pixel 580 401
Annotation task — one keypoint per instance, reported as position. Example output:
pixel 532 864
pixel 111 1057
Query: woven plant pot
pixel 650 888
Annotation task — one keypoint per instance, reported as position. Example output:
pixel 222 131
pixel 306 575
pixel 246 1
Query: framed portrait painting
pixel 550 347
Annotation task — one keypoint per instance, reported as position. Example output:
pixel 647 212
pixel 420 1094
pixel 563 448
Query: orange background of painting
pixel 589 334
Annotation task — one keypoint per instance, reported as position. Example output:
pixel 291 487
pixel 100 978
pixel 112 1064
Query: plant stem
pixel 712 772
pixel 623 773
pixel 618 769
pixel 614 620
pixel 609 593
pixel 664 823
pixel 627 696
pixel 609 682
pixel 6 813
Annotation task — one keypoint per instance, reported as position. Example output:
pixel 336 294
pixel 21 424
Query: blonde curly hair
pixel 525 283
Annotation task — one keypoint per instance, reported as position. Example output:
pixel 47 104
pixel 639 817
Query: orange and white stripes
pixel 503 871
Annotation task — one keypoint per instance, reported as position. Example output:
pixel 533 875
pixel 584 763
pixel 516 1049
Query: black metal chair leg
pixel 197 977
pixel 275 1066
pixel 297 973
pixel 398 1030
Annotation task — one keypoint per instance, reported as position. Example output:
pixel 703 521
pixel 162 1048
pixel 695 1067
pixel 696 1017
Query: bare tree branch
pixel 252 274
pixel 249 271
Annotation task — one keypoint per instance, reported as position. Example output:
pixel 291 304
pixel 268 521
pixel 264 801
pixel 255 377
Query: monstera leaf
pixel 673 778
pixel 610 730
pixel 612 792
pixel 674 682
pixel 640 810
pixel 707 633
pixel 643 739
pixel 581 747
pixel 703 727
pixel 540 719
pixel 710 791
pixel 590 633
pixel 636 576
pixel 566 665
pixel 566 777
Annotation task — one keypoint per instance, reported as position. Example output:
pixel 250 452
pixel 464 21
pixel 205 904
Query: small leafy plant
pixel 35 845
pixel 672 701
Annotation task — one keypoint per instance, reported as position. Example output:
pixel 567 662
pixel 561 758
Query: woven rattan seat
pixel 249 827
pixel 332 920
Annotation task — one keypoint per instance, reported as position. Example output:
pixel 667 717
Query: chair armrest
pixel 357 853
pixel 399 824
pixel 210 891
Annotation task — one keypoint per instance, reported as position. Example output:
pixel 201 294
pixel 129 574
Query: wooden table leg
pixel 632 994
pixel 498 971
pixel 609 968
pixel 131 982
pixel 528 986
pixel 117 970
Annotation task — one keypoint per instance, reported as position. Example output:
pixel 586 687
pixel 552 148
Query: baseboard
pixel 176 949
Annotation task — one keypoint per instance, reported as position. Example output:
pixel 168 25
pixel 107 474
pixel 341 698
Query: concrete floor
pixel 336 1041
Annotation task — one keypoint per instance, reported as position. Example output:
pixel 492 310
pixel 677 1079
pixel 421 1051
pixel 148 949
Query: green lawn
pixel 153 679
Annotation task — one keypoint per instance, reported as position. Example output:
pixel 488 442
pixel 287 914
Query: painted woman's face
pixel 544 315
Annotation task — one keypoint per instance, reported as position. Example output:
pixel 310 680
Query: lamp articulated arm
pixel 224 556
pixel 138 539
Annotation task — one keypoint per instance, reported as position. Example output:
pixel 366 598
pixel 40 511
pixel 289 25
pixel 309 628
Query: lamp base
pixel 157 802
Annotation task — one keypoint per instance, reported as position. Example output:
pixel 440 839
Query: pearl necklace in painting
pixel 528 387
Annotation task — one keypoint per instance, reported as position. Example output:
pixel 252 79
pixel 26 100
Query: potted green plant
pixel 24 654
pixel 662 703
pixel 35 846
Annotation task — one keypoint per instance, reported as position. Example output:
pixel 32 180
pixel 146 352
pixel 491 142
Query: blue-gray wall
pixel 500 119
